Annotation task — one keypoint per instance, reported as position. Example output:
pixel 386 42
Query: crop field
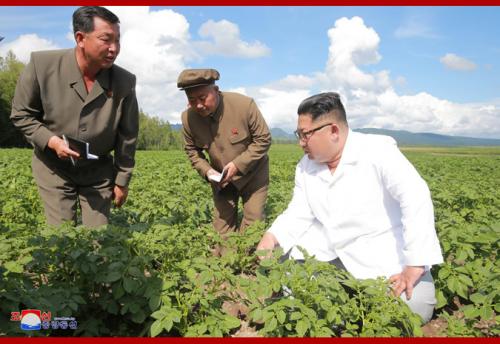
pixel 152 272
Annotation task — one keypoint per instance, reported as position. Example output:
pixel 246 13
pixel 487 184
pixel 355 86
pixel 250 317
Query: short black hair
pixel 323 104
pixel 83 18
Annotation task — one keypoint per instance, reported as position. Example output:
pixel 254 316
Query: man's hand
pixel 268 242
pixel 406 280
pixel 120 194
pixel 61 148
pixel 231 172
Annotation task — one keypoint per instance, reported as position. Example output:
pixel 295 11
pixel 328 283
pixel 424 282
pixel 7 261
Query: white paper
pixel 217 177
pixel 90 156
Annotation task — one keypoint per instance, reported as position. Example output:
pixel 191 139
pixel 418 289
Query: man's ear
pixel 335 129
pixel 79 38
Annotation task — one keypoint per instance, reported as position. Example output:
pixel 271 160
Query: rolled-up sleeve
pixel 261 140
pixel 421 244
pixel 126 141
pixel 289 227
pixel 27 109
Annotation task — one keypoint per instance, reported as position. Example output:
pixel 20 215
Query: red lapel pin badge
pixel 234 131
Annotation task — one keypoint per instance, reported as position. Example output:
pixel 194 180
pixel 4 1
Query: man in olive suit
pixel 231 129
pixel 80 93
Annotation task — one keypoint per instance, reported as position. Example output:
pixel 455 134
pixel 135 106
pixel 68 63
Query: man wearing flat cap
pixel 230 128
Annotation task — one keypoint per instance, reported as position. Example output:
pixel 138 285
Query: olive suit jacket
pixel 235 132
pixel 51 99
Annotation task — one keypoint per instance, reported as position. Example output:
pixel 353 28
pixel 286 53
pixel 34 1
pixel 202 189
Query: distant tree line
pixel 10 68
pixel 154 133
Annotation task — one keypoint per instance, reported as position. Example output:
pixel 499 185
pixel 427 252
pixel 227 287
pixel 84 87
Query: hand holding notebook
pixel 81 147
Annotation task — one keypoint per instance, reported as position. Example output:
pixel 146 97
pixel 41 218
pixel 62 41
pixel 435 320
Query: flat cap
pixel 196 77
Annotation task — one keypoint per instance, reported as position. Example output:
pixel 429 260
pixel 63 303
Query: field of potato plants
pixel 153 272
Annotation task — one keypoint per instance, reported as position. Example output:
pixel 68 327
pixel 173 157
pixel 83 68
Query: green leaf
pixel 167 324
pixel 154 302
pixel 465 280
pixel 301 328
pixel 478 298
pixel 266 263
pixel 156 328
pixel 160 314
pixel 73 306
pixel 271 325
pixel 486 312
pixel 129 285
pixel 14 267
pixel 113 276
pixel 256 314
pixel 281 316
pixel 231 322
pixel 25 260
pixel 441 300
pixel 326 305
pixel 296 316
pixel 135 271
pixel 443 273
pixel 118 291
pixel 78 299
pixel 470 311
pixel 139 316
pixel 453 284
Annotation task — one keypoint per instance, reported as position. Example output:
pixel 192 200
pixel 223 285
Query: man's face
pixel 318 137
pixel 203 99
pixel 101 46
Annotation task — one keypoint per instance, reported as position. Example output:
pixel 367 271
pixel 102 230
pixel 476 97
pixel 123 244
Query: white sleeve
pixel 297 218
pixel 406 186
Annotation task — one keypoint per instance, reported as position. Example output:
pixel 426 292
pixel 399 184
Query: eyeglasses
pixel 306 135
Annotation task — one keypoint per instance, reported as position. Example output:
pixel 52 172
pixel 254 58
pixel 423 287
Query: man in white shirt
pixel 360 204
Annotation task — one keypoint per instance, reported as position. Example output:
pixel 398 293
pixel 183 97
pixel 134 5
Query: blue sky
pixel 444 61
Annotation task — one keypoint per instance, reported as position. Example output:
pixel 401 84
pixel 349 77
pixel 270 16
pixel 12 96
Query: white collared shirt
pixel 374 212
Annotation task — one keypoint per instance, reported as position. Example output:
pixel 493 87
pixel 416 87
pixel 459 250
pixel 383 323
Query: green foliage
pixel 10 69
pixel 156 134
pixel 152 272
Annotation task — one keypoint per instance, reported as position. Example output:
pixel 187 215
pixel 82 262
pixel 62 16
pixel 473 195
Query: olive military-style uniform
pixel 51 99
pixel 235 132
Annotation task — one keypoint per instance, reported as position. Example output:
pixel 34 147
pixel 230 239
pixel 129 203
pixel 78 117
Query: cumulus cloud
pixel 155 47
pixel 455 62
pixel 370 97
pixel 223 38
pixel 25 44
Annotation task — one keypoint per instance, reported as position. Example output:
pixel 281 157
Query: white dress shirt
pixel 374 212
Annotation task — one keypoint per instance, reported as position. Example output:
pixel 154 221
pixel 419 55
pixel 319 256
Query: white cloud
pixel 279 107
pixel 370 98
pixel 25 44
pixel 155 47
pixel 240 90
pixel 224 39
pixel 455 62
